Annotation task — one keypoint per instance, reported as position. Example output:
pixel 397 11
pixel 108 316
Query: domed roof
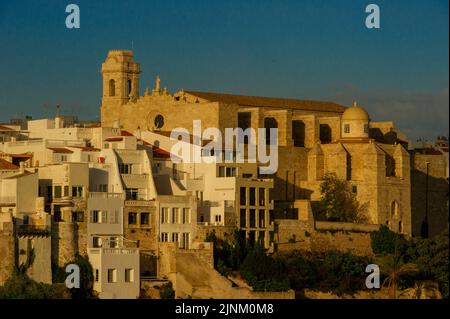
pixel 355 113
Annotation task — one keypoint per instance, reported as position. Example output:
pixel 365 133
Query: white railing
pixel 105 195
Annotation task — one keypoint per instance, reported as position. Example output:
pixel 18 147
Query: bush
pixel 384 241
pixel 167 291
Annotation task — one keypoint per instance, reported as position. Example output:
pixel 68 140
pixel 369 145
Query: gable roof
pixel 259 101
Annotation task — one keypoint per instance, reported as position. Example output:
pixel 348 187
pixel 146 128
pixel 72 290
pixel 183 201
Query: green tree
pixel 385 241
pixel 338 201
pixel 422 290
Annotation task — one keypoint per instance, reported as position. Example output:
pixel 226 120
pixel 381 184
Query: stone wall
pixel 7 248
pixel 64 242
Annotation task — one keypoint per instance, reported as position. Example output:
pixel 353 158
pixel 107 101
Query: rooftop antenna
pixel 58 108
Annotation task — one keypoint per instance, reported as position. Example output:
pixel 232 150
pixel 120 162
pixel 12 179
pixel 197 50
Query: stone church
pixel 314 137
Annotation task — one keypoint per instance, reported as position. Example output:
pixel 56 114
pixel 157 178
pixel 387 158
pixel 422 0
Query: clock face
pixel 159 121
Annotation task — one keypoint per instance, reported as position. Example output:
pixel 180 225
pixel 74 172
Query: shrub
pixel 167 291
pixel 384 241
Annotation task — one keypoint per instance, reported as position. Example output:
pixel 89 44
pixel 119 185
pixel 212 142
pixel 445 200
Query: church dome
pixel 355 113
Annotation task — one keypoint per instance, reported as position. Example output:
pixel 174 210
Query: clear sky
pixel 308 49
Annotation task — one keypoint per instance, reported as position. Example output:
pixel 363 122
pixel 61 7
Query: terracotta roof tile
pixel 4 164
pixel 60 150
pixel 260 101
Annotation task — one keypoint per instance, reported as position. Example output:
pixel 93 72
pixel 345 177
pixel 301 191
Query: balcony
pixel 138 202
pixel 33 230
pixel 105 195
pixel 8 201
pixel 113 251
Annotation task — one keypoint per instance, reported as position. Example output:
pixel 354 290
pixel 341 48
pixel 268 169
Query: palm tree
pixel 422 290
pixel 394 268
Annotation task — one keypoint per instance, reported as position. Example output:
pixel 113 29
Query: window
pixel 231 171
pixel 221 171
pixel 129 275
pixel 77 191
pixel 354 189
pixel 63 158
pixel 243 197
pixel 164 237
pixel 114 217
pixel 112 275
pixel 252 218
pixel 175 215
pixel 129 87
pixel 346 128
pixel 131 193
pixel 262 196
pixel 164 215
pixel 95 217
pixel 132 218
pixel 270 123
pixel 124 168
pixel 145 218
pixel 112 87
pixel 175 237
pixel 186 216
pixel 325 133
pixel 218 218
pixel 243 219
pixel 298 133
pixel 77 217
pixel 113 242
pixel 96 242
pixel 49 192
pixel 390 166
pixel 66 191
pixel 262 219
pixel 252 196
pixel 58 190
pixel 185 241
pixel 244 122
pixel 97 275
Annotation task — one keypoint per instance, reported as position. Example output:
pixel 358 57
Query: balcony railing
pixel 8 201
pixel 114 251
pixel 35 230
pixel 105 195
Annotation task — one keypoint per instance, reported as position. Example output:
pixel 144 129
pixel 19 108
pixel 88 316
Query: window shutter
pixel 104 217
pixel 91 217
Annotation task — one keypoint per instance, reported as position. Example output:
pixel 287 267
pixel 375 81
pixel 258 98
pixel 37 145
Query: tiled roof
pixel 4 164
pixel 60 150
pixel 87 148
pixel 260 101
pixel 114 139
pixel 5 128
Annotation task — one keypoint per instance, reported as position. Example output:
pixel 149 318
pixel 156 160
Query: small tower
pixel 120 78
pixel 355 122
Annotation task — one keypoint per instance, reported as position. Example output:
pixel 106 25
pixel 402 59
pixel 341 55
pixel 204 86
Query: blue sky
pixel 310 49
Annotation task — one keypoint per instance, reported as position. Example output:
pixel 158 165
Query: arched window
pixel 298 133
pixel 270 122
pixel 129 87
pixel 112 87
pixel 400 226
pixel 394 210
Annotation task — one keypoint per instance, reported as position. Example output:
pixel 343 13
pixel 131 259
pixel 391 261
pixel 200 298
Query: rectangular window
pixel 124 168
pixel 261 218
pixel 231 172
pixel 164 237
pixel 164 215
pixel 103 188
pixel 354 189
pixel 175 237
pixel 77 191
pixel 96 242
pixel 347 128
pixel 94 217
pixel 243 220
pixel 112 275
pixel 66 191
pixel 63 158
pixel 243 197
pixel 185 241
pixel 221 171
pixel 252 218
pixel 252 196
pixel 244 122
pixel 129 275
pixel 113 242
pixel 298 133
pixel 131 193
pixel 218 218
pixel 145 218
pixel 175 215
pixel 262 196
pixel 58 190
pixel 186 216
pixel 132 218
pixel 77 217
